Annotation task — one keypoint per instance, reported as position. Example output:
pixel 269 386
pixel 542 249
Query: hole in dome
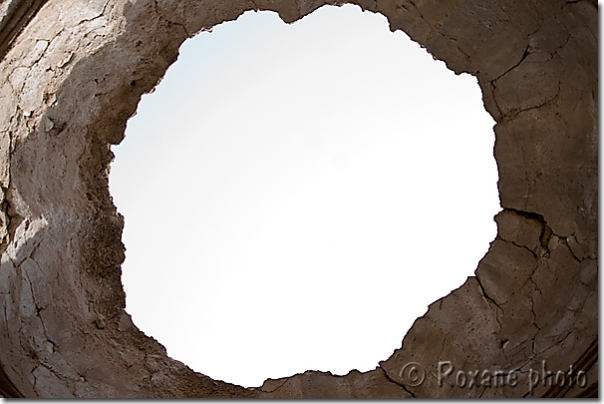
pixel 297 195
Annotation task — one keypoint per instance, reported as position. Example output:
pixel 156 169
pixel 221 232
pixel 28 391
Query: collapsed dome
pixel 74 75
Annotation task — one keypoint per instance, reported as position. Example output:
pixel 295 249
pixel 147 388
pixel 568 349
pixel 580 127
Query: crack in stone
pixel 533 306
pixel 546 233
pixel 4 210
pixel 67 381
pixel 39 57
pixel 515 112
pixel 156 5
pixel 442 348
pixel 432 30
pixel 565 242
pixel 497 306
pixel 273 390
pixel 522 58
pixel 35 379
pixel 524 248
pixel 101 14
pixel 567 334
pixel 397 383
pixel 562 46
pixel 569 2
pixel 254 5
pixel 38 309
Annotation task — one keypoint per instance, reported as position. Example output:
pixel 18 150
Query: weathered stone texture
pixel 73 73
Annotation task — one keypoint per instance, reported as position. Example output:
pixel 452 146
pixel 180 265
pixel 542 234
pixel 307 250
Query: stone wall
pixel 73 73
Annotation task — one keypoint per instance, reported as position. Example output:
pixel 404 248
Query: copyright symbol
pixel 412 374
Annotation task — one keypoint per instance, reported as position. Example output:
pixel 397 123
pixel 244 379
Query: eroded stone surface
pixel 74 75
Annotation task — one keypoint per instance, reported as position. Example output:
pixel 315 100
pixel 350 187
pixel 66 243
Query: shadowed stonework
pixel 73 73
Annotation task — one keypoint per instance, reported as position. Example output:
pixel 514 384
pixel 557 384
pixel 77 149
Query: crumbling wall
pixel 73 73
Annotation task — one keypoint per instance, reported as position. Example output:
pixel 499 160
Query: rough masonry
pixel 72 74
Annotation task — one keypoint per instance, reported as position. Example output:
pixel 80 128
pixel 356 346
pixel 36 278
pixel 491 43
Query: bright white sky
pixel 296 196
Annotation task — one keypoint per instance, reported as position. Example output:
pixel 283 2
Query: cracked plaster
pixel 73 73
